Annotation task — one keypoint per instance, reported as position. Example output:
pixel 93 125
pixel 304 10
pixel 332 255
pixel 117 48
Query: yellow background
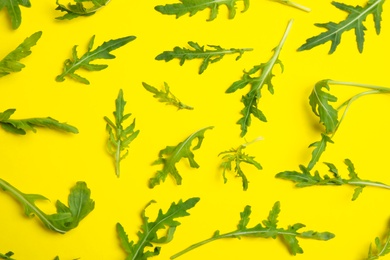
pixel 50 163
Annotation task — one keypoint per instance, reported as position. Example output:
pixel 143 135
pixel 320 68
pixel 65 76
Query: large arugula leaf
pixel 101 52
pixel 381 249
pixel 14 11
pixel 356 16
pixel 193 6
pixel 78 9
pixel 208 56
pixel 251 99
pixel 120 137
pixel 10 63
pixel 21 126
pixel 171 155
pixel 267 229
pixel 150 232
pixel 67 217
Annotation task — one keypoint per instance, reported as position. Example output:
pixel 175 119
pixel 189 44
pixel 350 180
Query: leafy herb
pixel 238 156
pixel 78 9
pixel 7 256
pixel 293 4
pixel 21 126
pixel 101 52
pixel 150 231
pixel 166 96
pixel 171 155
pixel 11 63
pixel 194 6
pixel 13 10
pixel 216 53
pixel 268 228
pixel 67 217
pixel 320 147
pixel 251 99
pixel 356 16
pixel 382 249
pixel 306 179
pixel 119 137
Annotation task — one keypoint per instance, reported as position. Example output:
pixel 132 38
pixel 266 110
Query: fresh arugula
pixel 7 256
pixel 306 179
pixel 251 99
pixel 267 229
pixel 294 4
pixel 237 156
pixel 120 137
pixel 67 217
pixel 166 96
pixel 10 63
pixel 21 126
pixel 101 52
pixel 171 155
pixel 216 53
pixel 78 9
pixel 193 6
pixel 150 232
pixel 356 16
pixel 382 249
pixel 14 11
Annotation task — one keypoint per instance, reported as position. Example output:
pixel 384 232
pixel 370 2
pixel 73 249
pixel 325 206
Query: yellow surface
pixel 50 163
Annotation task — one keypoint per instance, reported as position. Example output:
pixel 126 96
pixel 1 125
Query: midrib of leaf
pixel 117 156
pixel 381 253
pixel 209 3
pixel 368 183
pixel 211 52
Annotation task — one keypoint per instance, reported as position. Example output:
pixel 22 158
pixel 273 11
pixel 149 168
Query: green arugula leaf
pixel 166 96
pixel 293 4
pixel 356 16
pixel 7 256
pixel 21 126
pixel 14 11
pixel 171 155
pixel 150 232
pixel 67 217
pixel 199 52
pixel 267 229
pixel 320 147
pixel 251 99
pixel 101 52
pixel 78 9
pixel 382 249
pixel 120 137
pixel 237 156
pixel 10 63
pixel 193 6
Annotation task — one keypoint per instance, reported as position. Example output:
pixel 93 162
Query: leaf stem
pixel 369 183
pixel 295 5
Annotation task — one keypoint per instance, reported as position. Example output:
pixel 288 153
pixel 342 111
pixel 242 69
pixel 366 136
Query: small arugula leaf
pixel 216 53
pixel 267 229
pixel 13 10
pixel 150 232
pixel 101 52
pixel 10 63
pixel 78 9
pixel 21 126
pixel 7 256
pixel 356 16
pixel 381 249
pixel 237 156
pixel 166 96
pixel 251 99
pixel 171 155
pixel 120 137
pixel 67 217
pixel 320 147
pixel 293 4
pixel 193 6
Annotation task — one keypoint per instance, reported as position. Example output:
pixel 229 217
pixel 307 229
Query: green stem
pixel 368 183
pixel 295 5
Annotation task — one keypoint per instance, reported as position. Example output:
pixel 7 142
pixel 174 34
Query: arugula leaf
pixel 194 6
pixel 150 231
pixel 382 249
pixel 67 217
pixel 306 179
pixel 166 96
pixel 78 9
pixel 251 99
pixel 10 63
pixel 267 229
pixel 13 10
pixel 7 256
pixel 320 147
pixel 216 53
pixel 356 16
pixel 293 4
pixel 119 137
pixel 238 156
pixel 101 52
pixel 21 126
pixel 171 155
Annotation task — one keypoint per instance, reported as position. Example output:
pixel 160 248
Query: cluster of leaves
pixel 267 229
pixel 150 232
pixel 120 137
pixel 216 53
pixel 78 9
pixel 381 249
